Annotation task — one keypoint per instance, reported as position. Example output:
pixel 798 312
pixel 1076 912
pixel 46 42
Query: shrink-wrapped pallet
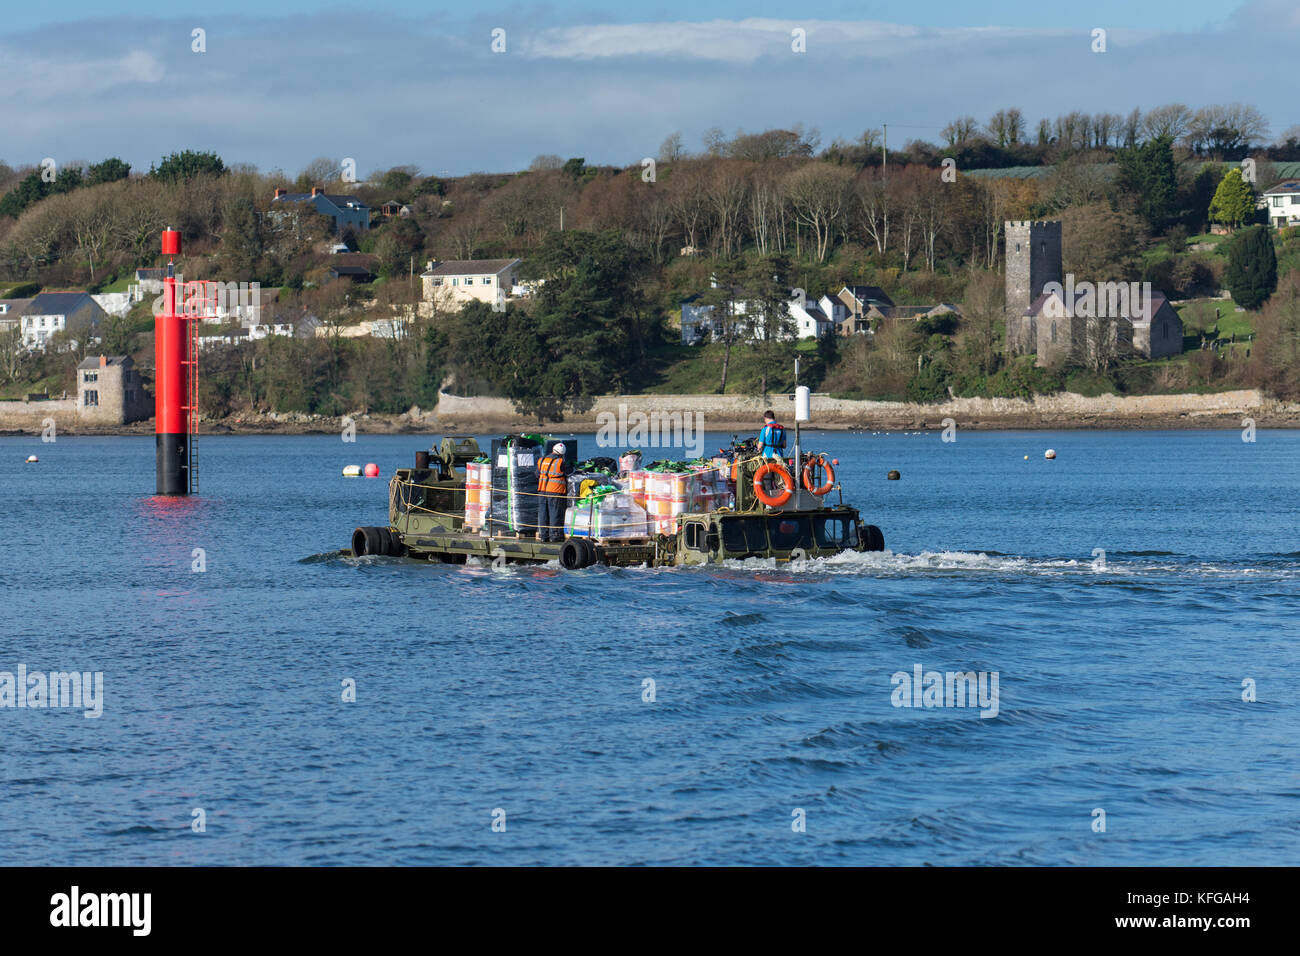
pixel 514 500
pixel 619 517
pixel 578 520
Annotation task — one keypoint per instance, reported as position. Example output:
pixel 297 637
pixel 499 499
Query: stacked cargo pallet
pixel 478 494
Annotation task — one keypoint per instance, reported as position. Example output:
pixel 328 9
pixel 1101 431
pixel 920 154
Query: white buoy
pixel 32 459
pixel 352 471
pixel 1049 454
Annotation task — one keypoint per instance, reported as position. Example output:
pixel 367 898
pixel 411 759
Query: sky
pixel 405 82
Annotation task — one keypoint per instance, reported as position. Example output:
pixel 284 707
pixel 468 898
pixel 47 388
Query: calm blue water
pixel 521 689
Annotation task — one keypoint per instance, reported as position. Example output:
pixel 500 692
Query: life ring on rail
pixel 810 466
pixel 777 468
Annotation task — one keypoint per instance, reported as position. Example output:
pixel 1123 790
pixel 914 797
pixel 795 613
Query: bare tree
pixel 960 130
pixel 1132 130
pixel 671 149
pixel 91 215
pixel 319 171
pixel 983 307
pixel 872 207
pixel 819 195
pixel 688 190
pixel 1226 128
pixel 545 161
pixel 655 222
pixel 1170 120
pixel 934 202
pixel 13 354
pixel 1007 127
pixel 727 189
pixel 1106 126
pixel 465 233
pixel 143 217
pixel 908 217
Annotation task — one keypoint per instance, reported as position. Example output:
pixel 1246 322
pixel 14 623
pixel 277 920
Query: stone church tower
pixel 1033 260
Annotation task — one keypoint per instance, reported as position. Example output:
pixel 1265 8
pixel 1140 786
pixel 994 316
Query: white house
pixel 449 285
pixel 245 333
pixel 53 312
pixel 810 319
pixel 1283 204
pixel 698 324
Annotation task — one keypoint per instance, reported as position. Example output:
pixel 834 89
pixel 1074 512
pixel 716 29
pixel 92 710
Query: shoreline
pixel 743 414
pixel 374 426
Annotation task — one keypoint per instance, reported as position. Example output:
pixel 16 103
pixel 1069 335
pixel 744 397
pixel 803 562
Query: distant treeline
pixel 768 208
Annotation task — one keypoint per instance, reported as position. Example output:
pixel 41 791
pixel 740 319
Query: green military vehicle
pixel 426 514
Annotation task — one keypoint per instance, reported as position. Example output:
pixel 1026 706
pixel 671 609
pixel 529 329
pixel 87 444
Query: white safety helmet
pixel 559 448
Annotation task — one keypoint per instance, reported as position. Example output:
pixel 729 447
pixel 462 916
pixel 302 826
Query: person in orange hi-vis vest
pixel 553 486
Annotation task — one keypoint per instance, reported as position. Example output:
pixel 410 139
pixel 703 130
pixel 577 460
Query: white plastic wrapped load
pixel 577 521
pixel 607 518
pixel 620 517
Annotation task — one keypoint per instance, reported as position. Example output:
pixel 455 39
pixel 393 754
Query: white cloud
pixel 49 78
pixel 745 41
pixel 279 92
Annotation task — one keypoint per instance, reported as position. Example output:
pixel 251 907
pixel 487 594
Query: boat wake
pixel 1115 566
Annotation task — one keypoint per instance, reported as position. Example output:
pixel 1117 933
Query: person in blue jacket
pixel 771 439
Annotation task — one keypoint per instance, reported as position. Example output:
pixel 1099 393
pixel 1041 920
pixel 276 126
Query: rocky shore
pixel 724 413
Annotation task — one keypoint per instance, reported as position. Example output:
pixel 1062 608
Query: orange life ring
pixel 776 467
pixel 808 479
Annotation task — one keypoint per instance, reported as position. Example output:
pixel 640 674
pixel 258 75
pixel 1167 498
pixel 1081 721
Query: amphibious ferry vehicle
pixel 460 502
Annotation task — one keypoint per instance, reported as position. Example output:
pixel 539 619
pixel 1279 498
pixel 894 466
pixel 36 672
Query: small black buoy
pixel 894 476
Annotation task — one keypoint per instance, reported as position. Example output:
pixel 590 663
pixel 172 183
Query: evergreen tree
pixel 109 171
pixel 186 165
pixel 1149 174
pixel 1234 200
pixel 241 238
pixel 1251 276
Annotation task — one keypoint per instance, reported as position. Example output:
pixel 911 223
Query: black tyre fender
pixel 366 541
pixel 871 538
pixel 392 542
pixel 591 551
pixel 574 554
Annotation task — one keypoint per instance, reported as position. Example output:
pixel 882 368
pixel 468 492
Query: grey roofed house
pixel 104 361
pixel 52 312
pixel 345 211
pixel 1290 186
pixel 11 310
pixel 1282 203
pixel 859 298
pixel 460 267
pixel 355 273
pixel 110 390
